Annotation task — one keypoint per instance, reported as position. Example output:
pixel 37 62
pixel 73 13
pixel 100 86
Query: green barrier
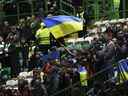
pixel 80 45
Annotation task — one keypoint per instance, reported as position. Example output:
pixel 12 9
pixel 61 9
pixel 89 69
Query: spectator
pixel 6 30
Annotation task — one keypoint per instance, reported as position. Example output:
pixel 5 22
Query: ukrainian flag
pixel 61 26
pixel 123 70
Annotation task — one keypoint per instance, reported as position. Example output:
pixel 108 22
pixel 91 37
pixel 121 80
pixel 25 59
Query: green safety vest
pixel 83 78
pixel 43 36
pixel 116 8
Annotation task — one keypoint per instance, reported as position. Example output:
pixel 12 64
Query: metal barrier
pixel 66 7
pixel 96 7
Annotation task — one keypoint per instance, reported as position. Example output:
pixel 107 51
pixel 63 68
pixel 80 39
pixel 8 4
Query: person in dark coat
pixel 6 30
pixel 38 89
pixel 99 65
pixel 52 80
pixel 24 88
pixel 109 58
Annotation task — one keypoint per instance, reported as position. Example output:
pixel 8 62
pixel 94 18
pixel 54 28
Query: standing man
pixel 43 39
pixel 116 7
pixel 77 4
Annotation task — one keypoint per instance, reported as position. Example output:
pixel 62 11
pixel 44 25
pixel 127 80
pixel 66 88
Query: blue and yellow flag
pixel 123 70
pixel 61 26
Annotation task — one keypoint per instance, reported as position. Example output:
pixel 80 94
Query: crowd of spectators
pixel 59 73
pixel 15 40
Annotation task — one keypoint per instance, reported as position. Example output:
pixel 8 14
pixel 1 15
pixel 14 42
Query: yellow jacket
pixel 43 36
